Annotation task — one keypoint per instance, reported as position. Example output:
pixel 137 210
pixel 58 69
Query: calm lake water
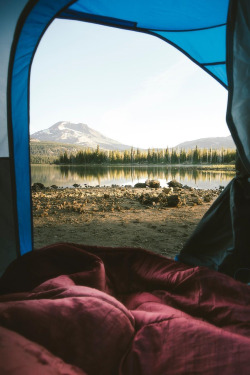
pixel 64 176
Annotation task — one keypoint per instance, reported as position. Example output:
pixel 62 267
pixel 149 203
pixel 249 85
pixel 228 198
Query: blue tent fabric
pixel 219 71
pixel 195 29
pixel 200 43
pixel 161 15
pixel 44 11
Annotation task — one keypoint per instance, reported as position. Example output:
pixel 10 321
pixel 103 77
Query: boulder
pixel 208 198
pixel 37 186
pixel 174 201
pixel 148 200
pixel 140 185
pixel 167 190
pixel 196 200
pixel 155 184
pixel 175 184
pixel 187 187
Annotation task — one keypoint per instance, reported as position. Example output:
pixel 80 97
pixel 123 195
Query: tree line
pixel 151 156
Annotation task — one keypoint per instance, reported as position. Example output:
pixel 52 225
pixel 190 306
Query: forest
pixel 151 156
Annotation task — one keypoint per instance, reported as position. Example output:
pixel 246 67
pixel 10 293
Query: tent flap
pixel 238 111
pixel 36 23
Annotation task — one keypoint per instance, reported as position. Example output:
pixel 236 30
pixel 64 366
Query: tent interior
pixel 61 303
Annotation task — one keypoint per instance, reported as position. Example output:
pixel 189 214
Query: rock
pixel 175 184
pixel 54 187
pixel 174 201
pixel 167 190
pixel 196 200
pixel 140 185
pixel 148 200
pixel 155 184
pixel 155 199
pixel 76 185
pixel 37 186
pixel 207 198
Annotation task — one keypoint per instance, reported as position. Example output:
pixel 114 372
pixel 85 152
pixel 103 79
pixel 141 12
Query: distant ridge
pixel 215 143
pixel 77 134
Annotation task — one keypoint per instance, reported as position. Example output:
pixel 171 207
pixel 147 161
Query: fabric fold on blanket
pixel 94 310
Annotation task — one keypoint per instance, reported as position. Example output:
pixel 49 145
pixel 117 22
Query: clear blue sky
pixel 131 87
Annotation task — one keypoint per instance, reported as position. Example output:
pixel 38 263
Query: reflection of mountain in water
pixel 104 175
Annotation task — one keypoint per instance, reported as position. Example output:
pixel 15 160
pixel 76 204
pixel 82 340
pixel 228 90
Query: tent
pixel 156 316
pixel 214 34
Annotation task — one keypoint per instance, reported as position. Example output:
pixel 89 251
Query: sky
pixel 131 87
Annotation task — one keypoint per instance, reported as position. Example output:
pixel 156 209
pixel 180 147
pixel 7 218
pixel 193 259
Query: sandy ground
pixel 118 217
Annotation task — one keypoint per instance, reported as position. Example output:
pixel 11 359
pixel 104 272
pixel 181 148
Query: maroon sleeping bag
pixel 74 309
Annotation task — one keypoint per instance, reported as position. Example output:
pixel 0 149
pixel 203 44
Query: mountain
pixel 213 142
pixel 65 132
pixel 77 134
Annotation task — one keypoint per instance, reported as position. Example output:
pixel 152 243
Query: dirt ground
pixel 118 217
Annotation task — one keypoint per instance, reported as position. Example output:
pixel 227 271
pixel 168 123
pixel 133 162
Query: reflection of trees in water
pixel 63 175
pixel 90 173
pixel 64 171
pixel 46 174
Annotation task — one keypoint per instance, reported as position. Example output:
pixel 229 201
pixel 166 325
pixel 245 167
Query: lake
pixel 66 176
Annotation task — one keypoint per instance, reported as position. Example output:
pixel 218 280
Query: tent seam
pixel 82 16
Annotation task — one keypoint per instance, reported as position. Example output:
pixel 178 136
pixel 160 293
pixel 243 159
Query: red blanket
pixel 72 309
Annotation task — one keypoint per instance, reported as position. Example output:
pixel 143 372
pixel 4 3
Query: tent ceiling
pixel 160 15
pixel 196 28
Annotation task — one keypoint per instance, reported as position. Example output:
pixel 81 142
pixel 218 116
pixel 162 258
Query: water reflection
pixel 66 176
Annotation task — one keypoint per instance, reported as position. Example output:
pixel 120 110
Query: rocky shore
pixel 146 215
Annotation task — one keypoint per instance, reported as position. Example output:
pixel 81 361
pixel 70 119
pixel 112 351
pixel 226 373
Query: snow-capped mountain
pixel 78 134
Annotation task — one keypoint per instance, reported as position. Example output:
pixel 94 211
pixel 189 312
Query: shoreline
pixel 157 219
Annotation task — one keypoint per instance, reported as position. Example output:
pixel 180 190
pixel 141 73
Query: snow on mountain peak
pixel 81 134
pixel 61 126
